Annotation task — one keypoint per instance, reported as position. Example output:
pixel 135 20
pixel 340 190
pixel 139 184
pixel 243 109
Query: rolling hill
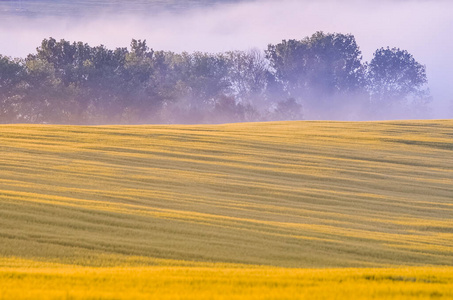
pixel 270 196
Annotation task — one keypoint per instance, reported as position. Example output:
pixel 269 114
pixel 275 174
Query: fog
pixel 422 27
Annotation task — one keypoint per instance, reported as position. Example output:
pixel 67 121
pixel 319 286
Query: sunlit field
pixel 30 280
pixel 280 210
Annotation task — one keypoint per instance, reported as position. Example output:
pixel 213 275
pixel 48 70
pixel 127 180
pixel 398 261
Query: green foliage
pixel 318 69
pixel 395 77
pixel 12 76
pixel 76 83
pixel 393 74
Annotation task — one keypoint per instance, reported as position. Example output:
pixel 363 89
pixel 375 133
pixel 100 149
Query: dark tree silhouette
pixel 12 75
pixel 75 83
pixel 394 79
pixel 319 69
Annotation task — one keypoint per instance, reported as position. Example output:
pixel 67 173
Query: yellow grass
pixel 31 280
pixel 122 212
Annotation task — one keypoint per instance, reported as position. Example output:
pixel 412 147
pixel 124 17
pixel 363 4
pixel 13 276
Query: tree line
pixel 319 77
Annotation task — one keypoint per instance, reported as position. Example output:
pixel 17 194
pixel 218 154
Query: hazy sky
pixel 423 27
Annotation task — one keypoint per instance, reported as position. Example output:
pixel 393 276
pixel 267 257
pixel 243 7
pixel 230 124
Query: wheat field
pixel 277 210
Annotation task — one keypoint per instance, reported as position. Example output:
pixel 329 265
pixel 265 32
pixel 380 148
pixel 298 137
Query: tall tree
pixel 247 74
pixel 207 76
pixel 12 74
pixel 319 70
pixel 395 77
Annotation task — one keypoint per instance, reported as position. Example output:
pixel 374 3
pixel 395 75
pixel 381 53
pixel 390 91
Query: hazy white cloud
pixel 421 27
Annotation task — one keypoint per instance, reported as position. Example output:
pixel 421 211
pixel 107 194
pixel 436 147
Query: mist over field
pixel 226 149
pixel 420 27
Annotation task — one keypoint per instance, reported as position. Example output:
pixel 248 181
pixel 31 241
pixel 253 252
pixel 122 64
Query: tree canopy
pixel 318 77
pixel 319 69
pixel 394 79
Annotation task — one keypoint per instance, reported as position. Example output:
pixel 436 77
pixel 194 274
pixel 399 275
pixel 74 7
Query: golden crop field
pixel 282 210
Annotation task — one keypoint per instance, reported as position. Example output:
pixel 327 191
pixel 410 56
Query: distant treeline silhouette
pixel 318 77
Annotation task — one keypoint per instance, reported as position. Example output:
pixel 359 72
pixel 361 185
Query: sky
pixel 422 27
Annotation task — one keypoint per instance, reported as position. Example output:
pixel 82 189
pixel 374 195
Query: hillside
pixel 289 194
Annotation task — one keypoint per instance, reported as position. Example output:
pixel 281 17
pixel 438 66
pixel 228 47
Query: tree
pixel 206 75
pixel 319 70
pixel 247 74
pixel 12 76
pixel 47 99
pixel 72 82
pixel 251 81
pixel 396 79
pixel 288 109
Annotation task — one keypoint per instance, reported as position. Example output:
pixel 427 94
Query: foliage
pixel 324 75
pixel 396 78
pixel 318 69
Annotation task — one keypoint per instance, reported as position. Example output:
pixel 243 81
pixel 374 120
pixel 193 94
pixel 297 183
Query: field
pixel 265 210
